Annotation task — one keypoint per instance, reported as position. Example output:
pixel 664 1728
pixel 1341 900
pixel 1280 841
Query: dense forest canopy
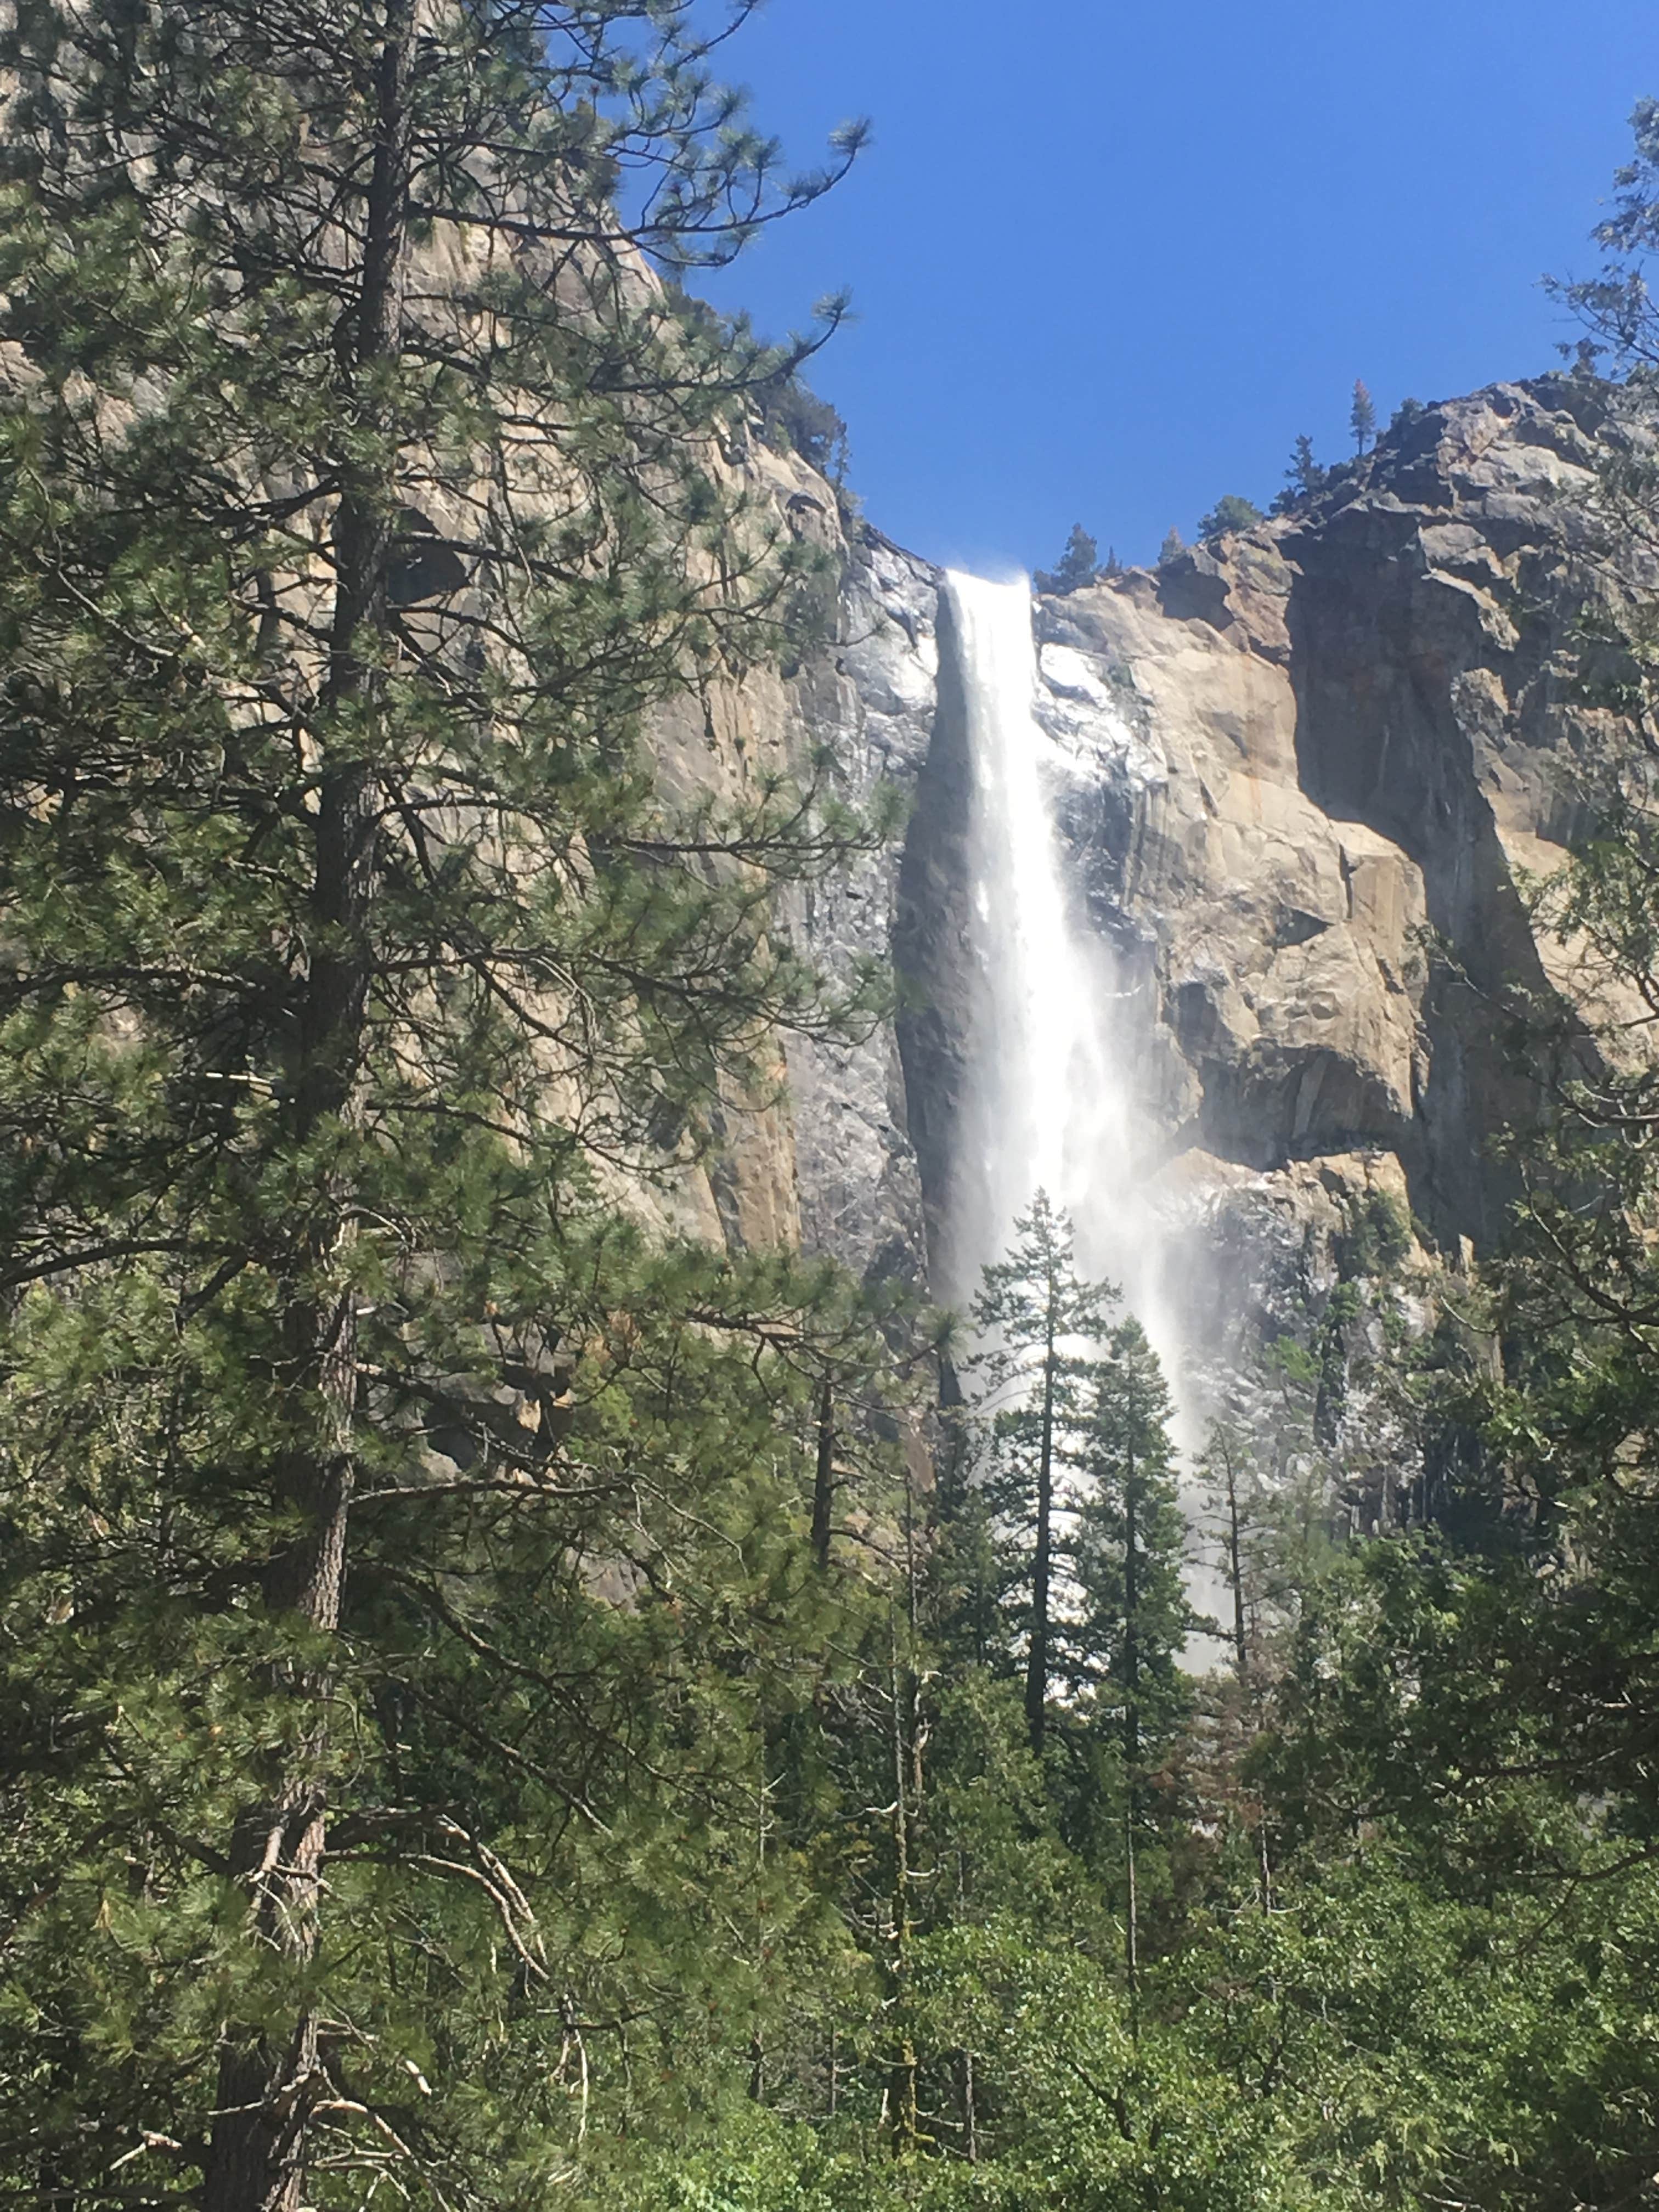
pixel 503 1703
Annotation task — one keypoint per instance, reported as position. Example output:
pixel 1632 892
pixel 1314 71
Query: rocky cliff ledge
pixel 1290 760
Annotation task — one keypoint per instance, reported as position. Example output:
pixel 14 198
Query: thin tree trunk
pixel 1131 1741
pixel 1265 1859
pixel 1236 1574
pixel 255 2157
pixel 970 2094
pixel 757 2041
pixel 1131 1914
pixel 1037 1666
pixel 901 2098
pixel 1242 1653
pixel 823 1480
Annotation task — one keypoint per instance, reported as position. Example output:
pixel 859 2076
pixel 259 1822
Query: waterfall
pixel 1049 1101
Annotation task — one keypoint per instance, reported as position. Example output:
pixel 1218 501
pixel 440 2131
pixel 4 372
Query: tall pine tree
pixel 401 1555
pixel 1133 1620
pixel 1041 1320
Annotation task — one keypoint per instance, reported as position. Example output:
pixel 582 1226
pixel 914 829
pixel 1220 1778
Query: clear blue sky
pixel 1108 258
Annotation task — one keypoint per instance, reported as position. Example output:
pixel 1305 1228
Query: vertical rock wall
pixel 1291 764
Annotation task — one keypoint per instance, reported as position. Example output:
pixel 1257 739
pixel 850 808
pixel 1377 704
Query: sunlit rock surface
pixel 1289 763
pixel 827 1163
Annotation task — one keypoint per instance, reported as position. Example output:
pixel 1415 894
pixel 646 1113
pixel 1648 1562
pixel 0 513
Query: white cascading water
pixel 1050 1104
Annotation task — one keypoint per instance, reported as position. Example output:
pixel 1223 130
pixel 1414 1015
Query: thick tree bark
pixel 256 2158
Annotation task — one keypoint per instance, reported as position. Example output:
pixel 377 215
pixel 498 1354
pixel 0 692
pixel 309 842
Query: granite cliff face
pixel 831 1167
pixel 1288 764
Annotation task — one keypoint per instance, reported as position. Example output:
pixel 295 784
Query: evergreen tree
pixel 1041 1321
pixel 1362 418
pixel 1616 306
pixel 1133 1619
pixel 1241 1525
pixel 403 1558
pixel 1230 514
pixel 1173 547
pixel 1079 565
pixel 1305 478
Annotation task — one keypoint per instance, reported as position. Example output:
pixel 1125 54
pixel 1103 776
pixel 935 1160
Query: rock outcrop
pixel 830 1165
pixel 1303 771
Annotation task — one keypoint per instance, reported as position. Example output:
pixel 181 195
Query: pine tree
pixel 1079 565
pixel 1240 1533
pixel 1173 547
pixel 1230 514
pixel 1041 1321
pixel 1133 1618
pixel 1304 477
pixel 1362 418
pixel 398 1545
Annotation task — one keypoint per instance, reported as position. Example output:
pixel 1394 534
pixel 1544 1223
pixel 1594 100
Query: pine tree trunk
pixel 1242 1655
pixel 823 1482
pixel 256 2160
pixel 901 2088
pixel 1131 1741
pixel 1036 1665
pixel 1236 1576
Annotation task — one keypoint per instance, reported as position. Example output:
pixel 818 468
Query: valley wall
pixel 1304 772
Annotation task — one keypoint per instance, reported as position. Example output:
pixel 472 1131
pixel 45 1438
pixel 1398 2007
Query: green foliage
pixel 1173 547
pixel 405 1563
pixel 794 419
pixel 1039 1323
pixel 1133 1620
pixel 1362 418
pixel 1376 1236
pixel 1305 478
pixel 1615 306
pixel 1230 514
pixel 1079 565
pixel 491 1706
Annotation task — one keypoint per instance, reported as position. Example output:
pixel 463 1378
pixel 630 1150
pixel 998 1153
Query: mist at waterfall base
pixel 1050 1097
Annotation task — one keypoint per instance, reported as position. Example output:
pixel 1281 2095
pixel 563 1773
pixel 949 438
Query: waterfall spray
pixel 1050 1102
